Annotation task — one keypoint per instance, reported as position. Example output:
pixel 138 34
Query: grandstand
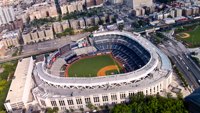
pixel 147 70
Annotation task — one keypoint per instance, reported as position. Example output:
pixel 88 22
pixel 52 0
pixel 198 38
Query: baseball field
pixel 191 38
pixel 100 65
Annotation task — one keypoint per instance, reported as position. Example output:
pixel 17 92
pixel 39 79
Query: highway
pixel 179 55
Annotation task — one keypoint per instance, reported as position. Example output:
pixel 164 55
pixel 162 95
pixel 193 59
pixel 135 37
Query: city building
pixel 2 50
pixel 102 19
pixel 22 15
pixel 38 34
pixel 7 14
pixel 26 36
pixel 10 38
pixel 41 34
pixel 99 2
pixel 159 16
pixel 48 32
pixel 166 15
pixel 34 35
pixel 93 3
pixel 81 23
pixel 111 18
pixel 138 3
pixel 48 10
pixel 96 20
pixel 187 12
pixel 178 12
pixel 74 24
pixel 139 12
pixel 65 24
pixel 172 13
pixel 195 10
pixel 16 24
pixel 89 21
pixel 57 27
pixel 19 95
pixel 116 1
pixel 89 3
pixel 70 7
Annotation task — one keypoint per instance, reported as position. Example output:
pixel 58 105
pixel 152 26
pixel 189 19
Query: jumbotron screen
pixel 64 49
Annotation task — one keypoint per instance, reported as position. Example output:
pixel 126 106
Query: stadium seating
pixel 127 51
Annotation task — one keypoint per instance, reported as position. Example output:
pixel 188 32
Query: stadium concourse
pixel 145 69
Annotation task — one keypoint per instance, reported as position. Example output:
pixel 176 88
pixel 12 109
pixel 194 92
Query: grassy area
pixel 89 67
pixel 42 21
pixel 193 40
pixel 5 80
pixel 68 31
pixel 91 29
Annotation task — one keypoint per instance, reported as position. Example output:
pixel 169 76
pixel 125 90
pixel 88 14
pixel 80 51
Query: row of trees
pixel 91 29
pixel 151 104
pixel 5 80
pixel 86 13
pixel 68 31
pixel 140 103
pixel 42 21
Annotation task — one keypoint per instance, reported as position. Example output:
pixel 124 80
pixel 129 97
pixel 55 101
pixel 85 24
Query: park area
pixel 6 75
pixel 100 65
pixel 190 35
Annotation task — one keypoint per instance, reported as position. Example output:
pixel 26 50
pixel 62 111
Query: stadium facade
pixel 148 70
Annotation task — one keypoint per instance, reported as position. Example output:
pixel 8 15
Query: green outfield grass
pixel 193 40
pixel 89 67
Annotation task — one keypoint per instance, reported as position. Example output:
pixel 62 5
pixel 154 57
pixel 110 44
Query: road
pixel 44 47
pixel 179 55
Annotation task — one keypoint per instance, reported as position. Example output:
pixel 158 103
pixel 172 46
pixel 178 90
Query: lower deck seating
pixel 131 54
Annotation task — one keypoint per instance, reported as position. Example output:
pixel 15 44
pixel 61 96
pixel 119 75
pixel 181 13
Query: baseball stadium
pixel 103 68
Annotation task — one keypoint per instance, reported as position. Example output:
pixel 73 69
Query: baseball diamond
pixel 102 69
pixel 90 66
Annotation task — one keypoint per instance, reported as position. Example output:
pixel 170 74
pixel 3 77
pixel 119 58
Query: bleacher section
pixel 55 69
pixel 127 51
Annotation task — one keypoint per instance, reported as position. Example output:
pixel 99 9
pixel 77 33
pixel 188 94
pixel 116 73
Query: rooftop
pixel 10 34
pixel 21 77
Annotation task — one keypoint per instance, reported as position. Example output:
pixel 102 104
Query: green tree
pixel 169 95
pixel 90 106
pixel 82 110
pixel 72 110
pixel 139 103
pixel 100 22
pixel 67 111
pixel 179 95
pixel 121 108
pixel 2 111
pixel 121 27
pixel 50 110
pixel 114 20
